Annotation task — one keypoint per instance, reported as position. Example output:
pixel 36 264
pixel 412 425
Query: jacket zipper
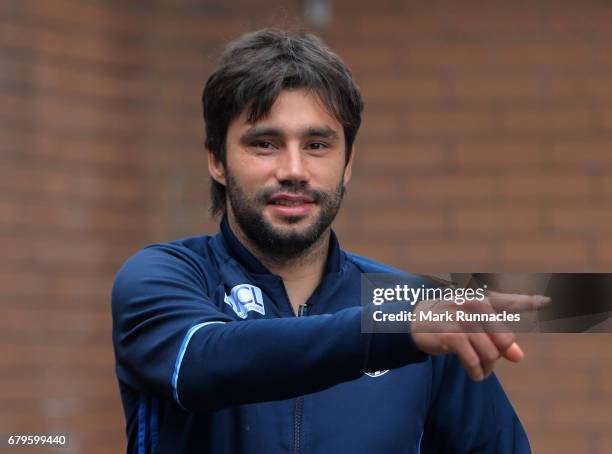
pixel 297 424
pixel 299 401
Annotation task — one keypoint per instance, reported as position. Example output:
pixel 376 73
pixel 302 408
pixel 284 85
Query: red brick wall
pixel 486 145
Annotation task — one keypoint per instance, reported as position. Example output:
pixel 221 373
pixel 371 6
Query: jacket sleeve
pixel 466 416
pixel 172 341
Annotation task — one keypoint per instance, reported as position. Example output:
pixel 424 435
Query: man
pixel 250 340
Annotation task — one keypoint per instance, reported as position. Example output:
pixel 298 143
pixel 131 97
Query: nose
pixel 292 166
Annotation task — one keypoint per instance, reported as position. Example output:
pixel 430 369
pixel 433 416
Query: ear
pixel 216 168
pixel 348 169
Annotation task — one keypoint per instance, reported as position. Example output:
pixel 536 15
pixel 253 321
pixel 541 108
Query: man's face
pixel 285 174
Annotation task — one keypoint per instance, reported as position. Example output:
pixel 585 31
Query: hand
pixel 478 344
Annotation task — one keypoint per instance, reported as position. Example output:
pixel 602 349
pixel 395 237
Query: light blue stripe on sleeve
pixel 153 424
pixel 142 426
pixel 179 359
pixel 420 440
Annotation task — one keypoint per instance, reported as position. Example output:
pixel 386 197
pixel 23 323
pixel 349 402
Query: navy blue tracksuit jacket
pixel 211 359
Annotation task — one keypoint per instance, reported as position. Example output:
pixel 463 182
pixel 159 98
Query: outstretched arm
pixel 171 340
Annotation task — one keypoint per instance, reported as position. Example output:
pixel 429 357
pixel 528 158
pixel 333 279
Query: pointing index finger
pixel 514 302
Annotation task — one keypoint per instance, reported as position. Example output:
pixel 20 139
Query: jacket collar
pixel 242 255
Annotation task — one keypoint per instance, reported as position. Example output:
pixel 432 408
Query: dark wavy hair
pixel 252 72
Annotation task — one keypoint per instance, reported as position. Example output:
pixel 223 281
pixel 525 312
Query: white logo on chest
pixel 244 298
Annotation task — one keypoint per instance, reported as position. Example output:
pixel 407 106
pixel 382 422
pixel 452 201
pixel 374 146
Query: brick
pixel 495 88
pixel 574 20
pixel 70 115
pixel 399 27
pixel 553 442
pixel 446 255
pixel 54 78
pixel 494 21
pixel 386 253
pixel 392 91
pixel 76 255
pixel 602 386
pixel 546 121
pixel 462 57
pixel 28 38
pixel 606 119
pixel 545 186
pixel 587 351
pixel 188 28
pixel 56 319
pixel 37 216
pixel 545 54
pixel 41 387
pixel 544 254
pixel 85 14
pixel 602 56
pixel 563 86
pixel 590 154
pixel 379 189
pixel 44 355
pixel 606 186
pixel 72 288
pixel 447 123
pixel 499 220
pixel 382 125
pixel 403 222
pixel 367 58
pixel 457 56
pixel 69 185
pixel 185 126
pixel 399 156
pixel 581 219
pixel 497 155
pixel 450 187
pixel 598 86
pixel 549 383
pixel 57 149
pixel 182 94
pixel 580 414
pixel 604 252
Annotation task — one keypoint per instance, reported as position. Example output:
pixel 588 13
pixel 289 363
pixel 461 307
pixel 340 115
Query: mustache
pixel 300 189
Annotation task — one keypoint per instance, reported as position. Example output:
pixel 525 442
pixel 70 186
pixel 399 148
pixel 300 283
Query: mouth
pixel 291 205
pixel 290 199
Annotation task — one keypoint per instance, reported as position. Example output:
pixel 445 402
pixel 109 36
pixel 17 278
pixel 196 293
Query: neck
pixel 308 265
pixel 309 262
pixel 301 274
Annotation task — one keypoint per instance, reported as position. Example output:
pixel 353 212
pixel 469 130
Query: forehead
pixel 293 110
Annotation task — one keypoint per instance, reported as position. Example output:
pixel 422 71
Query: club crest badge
pixel 244 298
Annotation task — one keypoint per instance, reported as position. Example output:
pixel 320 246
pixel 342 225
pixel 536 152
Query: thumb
pixel 514 353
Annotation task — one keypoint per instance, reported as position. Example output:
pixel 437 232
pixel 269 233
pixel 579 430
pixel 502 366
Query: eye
pixel 317 146
pixel 263 144
pixel 263 147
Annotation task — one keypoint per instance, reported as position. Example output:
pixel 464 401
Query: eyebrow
pixel 255 132
pixel 325 132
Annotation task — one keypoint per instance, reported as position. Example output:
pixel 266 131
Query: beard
pixel 280 243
